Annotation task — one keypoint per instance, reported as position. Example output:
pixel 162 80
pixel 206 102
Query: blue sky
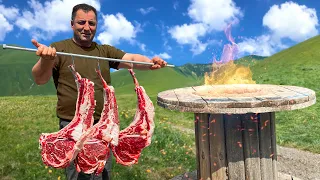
pixel 188 31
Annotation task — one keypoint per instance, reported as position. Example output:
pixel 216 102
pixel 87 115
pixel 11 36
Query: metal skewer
pixel 80 55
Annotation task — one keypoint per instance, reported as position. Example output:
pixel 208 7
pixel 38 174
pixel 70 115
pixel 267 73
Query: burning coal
pixel 226 71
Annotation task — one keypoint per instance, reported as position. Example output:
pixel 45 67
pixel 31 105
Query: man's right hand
pixel 46 53
pixel 42 70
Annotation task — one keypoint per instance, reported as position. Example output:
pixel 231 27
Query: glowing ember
pixel 234 90
pixel 225 71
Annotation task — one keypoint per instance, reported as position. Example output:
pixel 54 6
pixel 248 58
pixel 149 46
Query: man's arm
pixel 42 70
pixel 158 62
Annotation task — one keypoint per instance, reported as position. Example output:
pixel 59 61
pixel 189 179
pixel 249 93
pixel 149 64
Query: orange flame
pixel 226 71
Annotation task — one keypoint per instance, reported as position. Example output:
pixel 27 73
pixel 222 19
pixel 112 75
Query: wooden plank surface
pixel 290 96
pixel 234 147
pixel 273 145
pixel 168 97
pixel 217 147
pixel 203 148
pixel 196 132
pixel 272 98
pixel 186 98
pixel 265 147
pixel 251 146
pixel 301 90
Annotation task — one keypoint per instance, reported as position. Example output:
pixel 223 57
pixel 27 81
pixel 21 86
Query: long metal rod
pixel 83 56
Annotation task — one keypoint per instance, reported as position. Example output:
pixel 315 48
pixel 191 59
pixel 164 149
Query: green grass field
pixel 171 153
pixel 298 66
pixel 24 118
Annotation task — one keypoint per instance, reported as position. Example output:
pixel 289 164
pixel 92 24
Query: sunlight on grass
pixel 24 118
pixel 171 153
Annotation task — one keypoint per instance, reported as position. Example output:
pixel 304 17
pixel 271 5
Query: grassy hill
pixel 298 65
pixel 15 73
pixel 197 71
pixel 152 81
pixel 172 151
pixel 16 78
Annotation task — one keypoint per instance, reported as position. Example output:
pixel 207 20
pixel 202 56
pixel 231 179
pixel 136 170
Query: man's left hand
pixel 158 63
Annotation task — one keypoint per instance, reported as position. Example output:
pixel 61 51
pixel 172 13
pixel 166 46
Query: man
pixel 84 24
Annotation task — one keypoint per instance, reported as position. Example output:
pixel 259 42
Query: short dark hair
pixel 85 7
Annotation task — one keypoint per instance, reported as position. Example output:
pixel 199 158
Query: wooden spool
pixel 235 126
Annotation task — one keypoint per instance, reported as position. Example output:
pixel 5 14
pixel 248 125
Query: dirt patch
pixel 301 164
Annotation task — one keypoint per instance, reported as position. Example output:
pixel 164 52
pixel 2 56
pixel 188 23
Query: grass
pixel 299 129
pixel 297 66
pixel 23 119
pixel 171 152
pixel 152 81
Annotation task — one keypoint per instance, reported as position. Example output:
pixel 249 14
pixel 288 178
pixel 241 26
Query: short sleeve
pixel 114 53
pixel 56 67
pixel 57 61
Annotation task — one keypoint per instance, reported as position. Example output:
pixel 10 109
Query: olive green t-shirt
pixel 64 81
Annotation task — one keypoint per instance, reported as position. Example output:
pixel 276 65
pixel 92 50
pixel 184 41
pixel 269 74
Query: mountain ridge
pixel 298 60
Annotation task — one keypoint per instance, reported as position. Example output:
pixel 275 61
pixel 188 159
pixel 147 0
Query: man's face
pixel 84 26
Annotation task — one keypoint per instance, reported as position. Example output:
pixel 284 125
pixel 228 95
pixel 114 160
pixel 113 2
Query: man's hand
pixel 46 53
pixel 158 63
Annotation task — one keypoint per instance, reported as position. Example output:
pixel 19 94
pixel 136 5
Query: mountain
pixel 15 73
pixel 152 81
pixel 197 71
pixel 16 78
pixel 297 65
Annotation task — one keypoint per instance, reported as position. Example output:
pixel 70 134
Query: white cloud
pixel 117 28
pixel 10 13
pixel 262 45
pixel 146 11
pixel 7 14
pixel 166 46
pixel 189 34
pixel 215 13
pixel 164 55
pixel 198 48
pixel 175 5
pixel 164 30
pixel 142 47
pixel 207 16
pixel 45 20
pixel 5 27
pixel 291 20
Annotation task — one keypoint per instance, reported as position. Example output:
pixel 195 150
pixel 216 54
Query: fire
pixel 226 71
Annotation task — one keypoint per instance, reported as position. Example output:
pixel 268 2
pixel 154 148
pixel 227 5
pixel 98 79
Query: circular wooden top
pixel 236 98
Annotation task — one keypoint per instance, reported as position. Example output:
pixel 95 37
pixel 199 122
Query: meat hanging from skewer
pixel 58 149
pixel 137 136
pixel 96 150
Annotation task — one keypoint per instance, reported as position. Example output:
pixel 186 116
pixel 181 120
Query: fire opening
pixel 226 71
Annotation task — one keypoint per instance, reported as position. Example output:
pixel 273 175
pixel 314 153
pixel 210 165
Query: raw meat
pixel 96 150
pixel 137 136
pixel 58 149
